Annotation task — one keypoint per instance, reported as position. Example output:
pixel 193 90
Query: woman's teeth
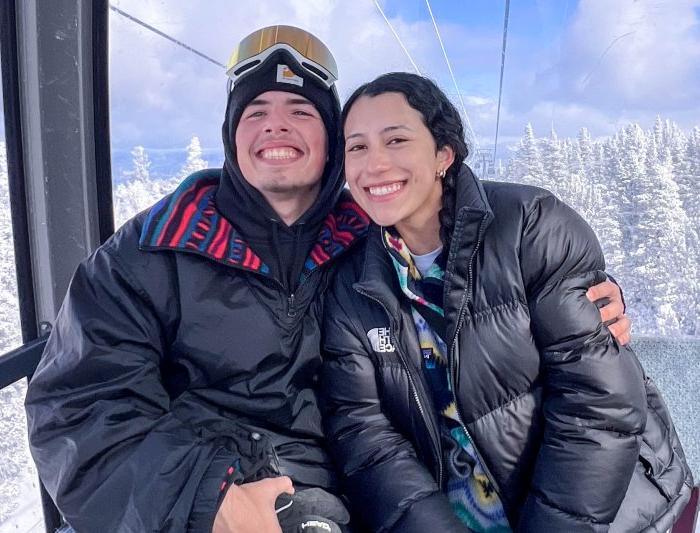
pixel 278 153
pixel 383 190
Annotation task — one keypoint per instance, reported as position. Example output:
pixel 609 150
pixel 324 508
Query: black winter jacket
pixel 571 432
pixel 178 364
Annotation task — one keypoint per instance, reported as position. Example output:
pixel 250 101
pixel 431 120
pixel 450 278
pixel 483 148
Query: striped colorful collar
pixel 425 290
pixel 188 221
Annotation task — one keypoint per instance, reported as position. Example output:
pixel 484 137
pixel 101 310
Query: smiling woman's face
pixel 391 162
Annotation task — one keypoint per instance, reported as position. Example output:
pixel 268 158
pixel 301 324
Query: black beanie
pixel 281 72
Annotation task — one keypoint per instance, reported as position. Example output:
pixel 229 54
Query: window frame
pixel 25 29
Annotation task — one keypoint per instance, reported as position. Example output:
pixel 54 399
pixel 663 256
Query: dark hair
pixel 440 117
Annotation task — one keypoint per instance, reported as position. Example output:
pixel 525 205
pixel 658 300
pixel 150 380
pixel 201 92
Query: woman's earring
pixel 441 173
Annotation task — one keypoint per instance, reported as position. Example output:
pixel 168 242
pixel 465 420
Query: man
pixel 177 389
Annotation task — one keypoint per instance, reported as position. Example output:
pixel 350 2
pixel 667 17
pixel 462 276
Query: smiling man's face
pixel 281 145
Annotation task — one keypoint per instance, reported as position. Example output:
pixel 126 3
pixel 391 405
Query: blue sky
pixel 570 64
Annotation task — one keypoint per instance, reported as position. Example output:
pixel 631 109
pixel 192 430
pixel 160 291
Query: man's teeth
pixel 383 190
pixel 278 153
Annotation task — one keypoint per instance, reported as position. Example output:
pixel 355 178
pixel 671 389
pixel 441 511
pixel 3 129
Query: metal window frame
pixel 33 58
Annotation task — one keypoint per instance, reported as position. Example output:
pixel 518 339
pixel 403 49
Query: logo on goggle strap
pixel 316 524
pixel 285 75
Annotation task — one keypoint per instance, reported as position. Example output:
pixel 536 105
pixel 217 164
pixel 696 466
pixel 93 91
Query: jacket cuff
pixel 622 294
pixel 221 474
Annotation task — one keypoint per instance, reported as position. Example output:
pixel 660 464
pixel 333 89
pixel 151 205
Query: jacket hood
pixel 282 247
pixel 235 193
pixel 188 221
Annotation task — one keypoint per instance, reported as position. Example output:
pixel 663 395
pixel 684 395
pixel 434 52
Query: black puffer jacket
pixel 572 434
pixel 178 363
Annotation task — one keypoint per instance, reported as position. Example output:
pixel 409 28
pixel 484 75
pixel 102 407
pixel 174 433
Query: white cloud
pixel 162 94
pixel 616 62
pixel 627 54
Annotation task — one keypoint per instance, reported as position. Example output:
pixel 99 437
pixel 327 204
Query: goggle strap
pixel 249 65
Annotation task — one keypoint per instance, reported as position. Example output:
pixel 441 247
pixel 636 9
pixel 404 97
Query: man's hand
pixel 250 507
pixel 612 313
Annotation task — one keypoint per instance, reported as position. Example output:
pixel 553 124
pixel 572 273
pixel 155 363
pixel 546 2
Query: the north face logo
pixel 380 339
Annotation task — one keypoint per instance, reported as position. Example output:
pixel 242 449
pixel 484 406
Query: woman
pixel 469 384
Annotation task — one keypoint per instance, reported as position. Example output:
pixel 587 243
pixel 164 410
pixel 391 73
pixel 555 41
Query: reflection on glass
pixel 20 507
pixel 10 333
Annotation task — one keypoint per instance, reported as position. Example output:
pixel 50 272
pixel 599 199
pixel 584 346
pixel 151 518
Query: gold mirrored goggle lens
pixel 309 51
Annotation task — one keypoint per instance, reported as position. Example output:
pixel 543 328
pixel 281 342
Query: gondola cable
pixel 471 135
pixel 500 84
pixel 397 38
pixel 165 35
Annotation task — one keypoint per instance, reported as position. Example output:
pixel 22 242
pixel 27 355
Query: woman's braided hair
pixel 442 120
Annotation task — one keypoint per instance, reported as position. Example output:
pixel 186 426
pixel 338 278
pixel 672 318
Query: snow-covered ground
pixel 20 503
pixel 27 516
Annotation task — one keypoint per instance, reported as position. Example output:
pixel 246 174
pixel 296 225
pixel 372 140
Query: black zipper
pixel 291 312
pixel 291 297
pixel 454 359
pixel 437 449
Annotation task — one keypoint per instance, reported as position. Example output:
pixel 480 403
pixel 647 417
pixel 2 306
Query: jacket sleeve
pixel 595 403
pixel 389 488
pixel 114 452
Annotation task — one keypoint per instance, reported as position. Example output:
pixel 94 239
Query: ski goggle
pixel 308 51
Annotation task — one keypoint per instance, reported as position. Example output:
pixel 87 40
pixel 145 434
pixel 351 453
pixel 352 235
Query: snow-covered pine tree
pixel 578 183
pixel 688 180
pixel 606 226
pixel 585 157
pixel 585 149
pixel 555 175
pixel 142 165
pixel 619 171
pixel 656 140
pixel 638 190
pixel 669 142
pixel 194 158
pixel 675 140
pixel 688 306
pixel 662 260
pixel 599 185
pixel 526 164
pixel 632 157
pixel 139 191
pixel 581 157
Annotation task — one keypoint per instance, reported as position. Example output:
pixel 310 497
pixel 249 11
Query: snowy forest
pixel 638 190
